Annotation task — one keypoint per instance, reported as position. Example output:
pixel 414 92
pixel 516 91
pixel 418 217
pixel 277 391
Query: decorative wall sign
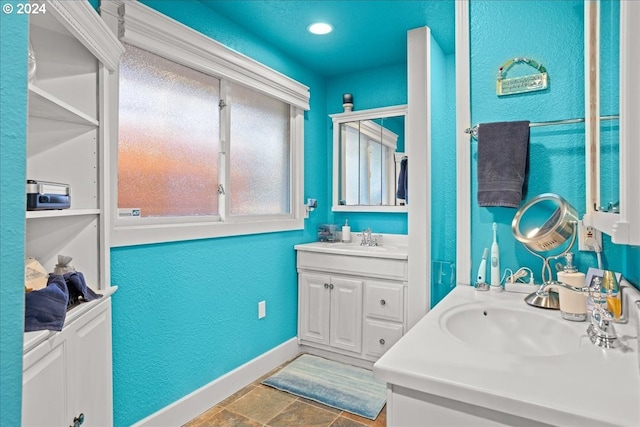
pixel 529 83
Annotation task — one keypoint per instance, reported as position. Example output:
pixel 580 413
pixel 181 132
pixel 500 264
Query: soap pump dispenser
pixel 346 232
pixel 573 305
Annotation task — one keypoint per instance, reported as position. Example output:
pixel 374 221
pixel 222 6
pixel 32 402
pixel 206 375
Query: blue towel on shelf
pixel 78 289
pixel 47 308
pixel 503 151
pixel 403 180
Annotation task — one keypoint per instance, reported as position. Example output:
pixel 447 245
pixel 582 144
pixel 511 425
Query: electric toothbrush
pixel 482 270
pixel 495 261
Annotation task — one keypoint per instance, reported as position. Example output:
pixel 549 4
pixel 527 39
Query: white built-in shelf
pixel 61 212
pixel 44 105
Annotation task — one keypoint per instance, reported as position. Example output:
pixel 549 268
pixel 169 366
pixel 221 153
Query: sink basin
pixel 511 330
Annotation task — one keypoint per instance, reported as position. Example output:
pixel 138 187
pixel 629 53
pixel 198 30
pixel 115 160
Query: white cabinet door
pixel 314 306
pixel 44 384
pixel 346 314
pixel 70 373
pixel 90 363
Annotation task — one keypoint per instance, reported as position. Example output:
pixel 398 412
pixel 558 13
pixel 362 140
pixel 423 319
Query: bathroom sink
pixel 511 330
pixel 390 251
pixel 354 247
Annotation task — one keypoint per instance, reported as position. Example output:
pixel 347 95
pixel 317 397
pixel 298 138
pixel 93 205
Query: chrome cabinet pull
pixel 382 341
pixel 382 302
pixel 331 286
pixel 326 286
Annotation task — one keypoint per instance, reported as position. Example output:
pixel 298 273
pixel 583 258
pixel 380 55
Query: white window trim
pixel 143 27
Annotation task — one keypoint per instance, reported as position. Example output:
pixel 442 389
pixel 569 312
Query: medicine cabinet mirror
pixel 611 87
pixel 368 154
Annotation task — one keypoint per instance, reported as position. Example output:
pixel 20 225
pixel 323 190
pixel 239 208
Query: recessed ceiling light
pixel 320 28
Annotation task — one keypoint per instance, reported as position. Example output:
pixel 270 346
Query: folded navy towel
pixel 78 289
pixel 403 180
pixel 46 308
pixel 502 163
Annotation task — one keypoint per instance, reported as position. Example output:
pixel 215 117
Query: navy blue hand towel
pixel 503 149
pixel 46 308
pixel 78 289
pixel 403 180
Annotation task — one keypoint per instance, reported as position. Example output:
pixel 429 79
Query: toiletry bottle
pixel 573 305
pixel 346 232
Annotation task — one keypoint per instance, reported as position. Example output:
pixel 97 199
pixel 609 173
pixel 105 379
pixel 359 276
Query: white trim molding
pixel 463 145
pixel 189 407
pixel 81 20
pixel 418 146
pixel 145 28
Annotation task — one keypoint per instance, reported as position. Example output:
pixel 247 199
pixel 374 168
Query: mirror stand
pixel 543 224
pixel 548 299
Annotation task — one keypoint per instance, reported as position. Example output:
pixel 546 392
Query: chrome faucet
pixel 369 239
pixel 601 330
pixel 366 237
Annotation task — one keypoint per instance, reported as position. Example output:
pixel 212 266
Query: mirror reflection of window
pixel 368 164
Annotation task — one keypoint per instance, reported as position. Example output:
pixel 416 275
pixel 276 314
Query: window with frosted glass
pixel 259 178
pixel 169 131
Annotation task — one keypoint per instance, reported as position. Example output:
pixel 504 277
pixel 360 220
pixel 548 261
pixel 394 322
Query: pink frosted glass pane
pixel 168 137
pixel 260 154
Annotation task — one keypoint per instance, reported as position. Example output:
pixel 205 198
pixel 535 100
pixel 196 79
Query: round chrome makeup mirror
pixel 544 225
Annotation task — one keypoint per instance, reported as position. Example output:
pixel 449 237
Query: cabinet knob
pixel 326 286
pixel 382 341
pixel 382 302
pixel 77 421
pixel 331 286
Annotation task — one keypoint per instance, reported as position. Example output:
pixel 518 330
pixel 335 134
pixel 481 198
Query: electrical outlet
pixel 587 234
pixel 262 309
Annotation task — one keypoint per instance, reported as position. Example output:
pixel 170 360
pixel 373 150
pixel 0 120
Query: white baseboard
pixel 195 403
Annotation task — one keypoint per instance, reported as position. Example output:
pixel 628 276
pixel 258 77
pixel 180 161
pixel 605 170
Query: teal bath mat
pixel 334 384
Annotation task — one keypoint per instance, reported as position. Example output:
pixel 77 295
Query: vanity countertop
pixel 391 250
pixel 588 386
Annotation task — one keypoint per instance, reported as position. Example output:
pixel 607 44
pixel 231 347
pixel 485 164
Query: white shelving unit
pixel 67 142
pixel 75 53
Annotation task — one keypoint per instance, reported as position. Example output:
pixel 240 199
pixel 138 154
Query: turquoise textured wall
pixel 552 35
pixel 13 105
pixel 443 172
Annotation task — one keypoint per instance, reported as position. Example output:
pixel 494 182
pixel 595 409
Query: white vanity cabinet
pixel 351 301
pixel 69 372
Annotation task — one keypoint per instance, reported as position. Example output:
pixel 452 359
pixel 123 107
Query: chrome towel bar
pixel 473 131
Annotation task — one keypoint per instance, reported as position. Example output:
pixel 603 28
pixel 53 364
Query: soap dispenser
pixel 573 305
pixel 346 232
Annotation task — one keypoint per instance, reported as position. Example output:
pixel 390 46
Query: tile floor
pixel 258 405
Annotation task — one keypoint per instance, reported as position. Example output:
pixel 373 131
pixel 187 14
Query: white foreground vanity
pixel 542 371
pixel 351 299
